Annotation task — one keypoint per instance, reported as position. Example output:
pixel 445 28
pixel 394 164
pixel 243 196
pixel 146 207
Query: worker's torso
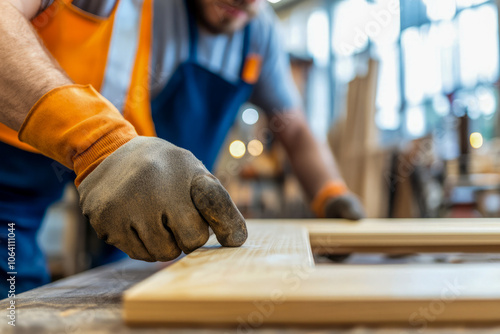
pixel 127 60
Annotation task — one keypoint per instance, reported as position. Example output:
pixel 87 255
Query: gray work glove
pixel 152 200
pixel 345 206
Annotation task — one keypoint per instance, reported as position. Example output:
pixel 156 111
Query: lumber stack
pixel 355 143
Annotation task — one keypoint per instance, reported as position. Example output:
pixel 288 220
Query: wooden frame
pixel 272 279
pixel 404 235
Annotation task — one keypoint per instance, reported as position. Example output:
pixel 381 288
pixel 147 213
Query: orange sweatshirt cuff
pixel 77 127
pixel 330 190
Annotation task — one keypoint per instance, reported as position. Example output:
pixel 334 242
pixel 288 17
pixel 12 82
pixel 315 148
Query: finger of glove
pixel 352 212
pixel 130 243
pixel 159 242
pixel 355 210
pixel 189 228
pixel 216 206
pixel 344 207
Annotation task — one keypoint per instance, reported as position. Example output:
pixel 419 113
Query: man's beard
pixel 224 24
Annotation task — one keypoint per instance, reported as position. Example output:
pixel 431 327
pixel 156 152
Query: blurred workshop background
pixel 406 95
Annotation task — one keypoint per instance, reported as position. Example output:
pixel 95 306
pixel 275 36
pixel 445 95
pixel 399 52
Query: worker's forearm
pixel 27 71
pixel 312 161
pixel 28 8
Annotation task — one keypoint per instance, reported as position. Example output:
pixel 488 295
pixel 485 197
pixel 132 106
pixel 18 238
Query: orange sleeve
pixel 77 127
pixel 330 190
pixel 78 41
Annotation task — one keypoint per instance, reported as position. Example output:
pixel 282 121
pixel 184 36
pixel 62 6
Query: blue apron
pixel 29 183
pixel 197 108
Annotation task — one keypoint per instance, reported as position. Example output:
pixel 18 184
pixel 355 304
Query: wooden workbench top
pixel 91 303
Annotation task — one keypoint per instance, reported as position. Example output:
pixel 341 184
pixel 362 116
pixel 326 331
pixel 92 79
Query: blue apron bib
pixel 197 108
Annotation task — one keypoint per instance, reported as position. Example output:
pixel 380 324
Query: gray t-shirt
pixel 275 90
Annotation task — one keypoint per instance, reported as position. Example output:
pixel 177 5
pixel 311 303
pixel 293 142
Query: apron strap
pixel 193 32
pixel 246 48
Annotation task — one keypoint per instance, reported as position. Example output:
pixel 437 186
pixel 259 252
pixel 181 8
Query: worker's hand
pixel 152 200
pixel 345 206
pixel 334 200
pixel 144 195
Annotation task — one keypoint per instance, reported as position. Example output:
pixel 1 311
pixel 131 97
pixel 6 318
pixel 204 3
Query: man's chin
pixel 224 27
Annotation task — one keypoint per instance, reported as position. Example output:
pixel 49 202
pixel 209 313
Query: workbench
pixel 90 302
pixel 93 301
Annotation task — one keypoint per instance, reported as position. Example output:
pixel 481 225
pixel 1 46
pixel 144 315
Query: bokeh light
pixel 237 149
pixel 250 116
pixel 255 147
pixel 476 140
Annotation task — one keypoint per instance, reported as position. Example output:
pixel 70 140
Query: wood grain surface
pixel 90 303
pixel 271 280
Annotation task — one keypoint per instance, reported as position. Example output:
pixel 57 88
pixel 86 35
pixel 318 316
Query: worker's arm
pixel 305 153
pixel 29 8
pixel 315 168
pixel 144 195
pixel 314 165
pixel 27 71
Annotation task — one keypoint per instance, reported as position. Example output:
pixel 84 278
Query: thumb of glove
pixel 215 205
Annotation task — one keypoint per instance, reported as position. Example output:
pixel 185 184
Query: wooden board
pixel 272 280
pixel 404 235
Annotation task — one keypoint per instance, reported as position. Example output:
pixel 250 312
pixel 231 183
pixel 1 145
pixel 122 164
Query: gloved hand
pixel 345 206
pixel 144 195
pixel 152 199
pixel 335 200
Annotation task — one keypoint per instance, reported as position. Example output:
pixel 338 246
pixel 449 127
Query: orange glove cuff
pixel 77 127
pixel 329 190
